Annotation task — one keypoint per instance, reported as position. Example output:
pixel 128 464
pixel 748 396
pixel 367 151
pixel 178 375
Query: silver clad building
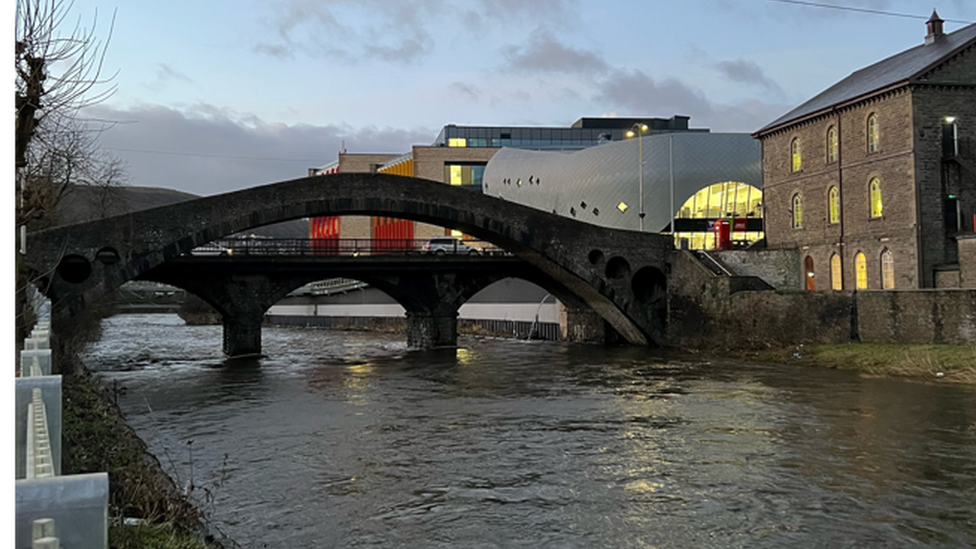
pixel 696 176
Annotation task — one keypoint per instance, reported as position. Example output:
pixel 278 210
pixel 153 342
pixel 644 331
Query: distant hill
pixel 83 203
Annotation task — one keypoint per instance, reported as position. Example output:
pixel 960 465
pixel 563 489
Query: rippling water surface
pixel 341 439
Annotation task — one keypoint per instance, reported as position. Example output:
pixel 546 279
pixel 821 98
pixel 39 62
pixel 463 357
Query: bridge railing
pixel 350 247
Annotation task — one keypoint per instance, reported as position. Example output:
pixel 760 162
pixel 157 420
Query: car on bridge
pixel 449 245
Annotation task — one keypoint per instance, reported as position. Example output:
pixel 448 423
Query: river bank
pixel 935 363
pixel 146 508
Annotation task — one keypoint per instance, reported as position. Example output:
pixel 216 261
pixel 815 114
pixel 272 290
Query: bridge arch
pixel 559 247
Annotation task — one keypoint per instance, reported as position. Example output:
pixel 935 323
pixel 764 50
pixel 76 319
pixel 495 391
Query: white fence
pixel 51 510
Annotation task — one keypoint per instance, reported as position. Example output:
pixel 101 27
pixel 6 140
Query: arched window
pixel 833 205
pixel 836 273
pixel 861 270
pixel 797 211
pixel 831 145
pixel 795 156
pixel 874 134
pixel 875 191
pixel 887 270
pixel 810 274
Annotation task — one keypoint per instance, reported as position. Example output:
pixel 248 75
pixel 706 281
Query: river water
pixel 343 439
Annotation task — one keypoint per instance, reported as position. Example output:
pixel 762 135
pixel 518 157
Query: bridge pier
pixel 427 330
pixel 242 334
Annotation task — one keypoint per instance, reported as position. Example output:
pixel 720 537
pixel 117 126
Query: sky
pixel 221 95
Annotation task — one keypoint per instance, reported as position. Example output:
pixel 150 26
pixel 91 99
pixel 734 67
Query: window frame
pixel 797 210
pixel 875 199
pixel 796 156
pixel 833 205
pixel 833 146
pixel 860 268
pixel 836 272
pixel 873 134
pixel 887 269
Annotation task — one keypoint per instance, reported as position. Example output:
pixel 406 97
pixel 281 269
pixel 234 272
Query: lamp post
pixel 636 130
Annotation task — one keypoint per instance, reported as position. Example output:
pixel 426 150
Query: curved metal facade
pixel 588 185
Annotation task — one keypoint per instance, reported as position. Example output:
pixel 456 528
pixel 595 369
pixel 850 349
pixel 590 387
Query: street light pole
pixel 636 130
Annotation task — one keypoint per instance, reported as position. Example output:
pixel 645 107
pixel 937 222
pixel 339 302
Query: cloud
pixel 165 75
pixel 466 90
pixel 635 93
pixel 353 30
pixel 748 72
pixel 206 149
pixel 546 54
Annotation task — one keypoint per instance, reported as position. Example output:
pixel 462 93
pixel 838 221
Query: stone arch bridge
pixel 621 276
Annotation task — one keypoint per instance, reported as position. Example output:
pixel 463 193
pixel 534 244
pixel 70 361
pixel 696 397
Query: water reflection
pixel 351 440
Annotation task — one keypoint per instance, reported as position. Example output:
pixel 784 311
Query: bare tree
pixel 56 73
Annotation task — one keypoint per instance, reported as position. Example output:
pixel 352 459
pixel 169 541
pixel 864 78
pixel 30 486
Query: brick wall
pixel 920 317
pixel 937 178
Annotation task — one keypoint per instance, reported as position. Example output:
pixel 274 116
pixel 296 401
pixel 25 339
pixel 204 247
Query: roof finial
pixel 934 25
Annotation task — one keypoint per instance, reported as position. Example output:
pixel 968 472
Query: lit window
pixel 876 205
pixel 836 273
pixel 457 142
pixel 887 270
pixel 833 205
pixel 811 275
pixel 797 159
pixel 831 145
pixel 861 269
pixel 873 134
pixel 797 211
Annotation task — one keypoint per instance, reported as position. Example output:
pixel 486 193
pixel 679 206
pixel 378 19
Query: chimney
pixel 934 25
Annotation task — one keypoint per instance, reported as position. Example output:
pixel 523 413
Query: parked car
pixel 449 245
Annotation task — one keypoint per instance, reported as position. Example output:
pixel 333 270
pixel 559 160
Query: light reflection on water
pixel 349 440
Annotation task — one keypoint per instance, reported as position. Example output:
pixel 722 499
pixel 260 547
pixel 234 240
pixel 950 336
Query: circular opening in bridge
pixel 596 256
pixel 649 285
pixel 108 256
pixel 74 269
pixel 617 267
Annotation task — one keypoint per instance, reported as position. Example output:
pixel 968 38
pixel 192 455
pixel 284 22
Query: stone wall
pixel 921 317
pixel 779 268
pixel 967 261
pixel 706 313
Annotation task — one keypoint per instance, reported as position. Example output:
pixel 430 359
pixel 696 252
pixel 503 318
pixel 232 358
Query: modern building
pixel 460 155
pixel 874 179
pixel 695 179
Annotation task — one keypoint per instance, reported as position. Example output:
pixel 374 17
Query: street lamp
pixel 636 130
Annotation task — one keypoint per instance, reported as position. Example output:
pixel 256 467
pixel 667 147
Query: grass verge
pixel 943 363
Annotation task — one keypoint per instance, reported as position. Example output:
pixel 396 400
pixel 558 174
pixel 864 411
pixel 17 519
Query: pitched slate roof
pixel 898 69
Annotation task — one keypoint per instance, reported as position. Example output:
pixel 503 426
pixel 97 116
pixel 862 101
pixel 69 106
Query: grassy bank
pixel 95 438
pixel 942 363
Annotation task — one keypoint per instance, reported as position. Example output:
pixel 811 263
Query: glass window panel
pixel 876 205
pixel 887 270
pixel 836 273
pixel 455 175
pixel 861 269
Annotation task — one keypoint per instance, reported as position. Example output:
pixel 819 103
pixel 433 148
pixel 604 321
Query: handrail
pixel 715 262
pixel 339 247
pixel 40 463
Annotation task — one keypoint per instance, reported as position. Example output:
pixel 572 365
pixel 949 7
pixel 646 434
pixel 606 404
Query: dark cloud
pixel 166 75
pixel 634 93
pixel 748 72
pixel 465 89
pixel 354 29
pixel 544 53
pixel 209 150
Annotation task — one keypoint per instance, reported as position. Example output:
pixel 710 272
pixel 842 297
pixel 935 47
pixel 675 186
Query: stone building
pixel 874 180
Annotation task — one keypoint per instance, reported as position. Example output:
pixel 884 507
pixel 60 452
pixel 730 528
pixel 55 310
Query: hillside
pixel 83 203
